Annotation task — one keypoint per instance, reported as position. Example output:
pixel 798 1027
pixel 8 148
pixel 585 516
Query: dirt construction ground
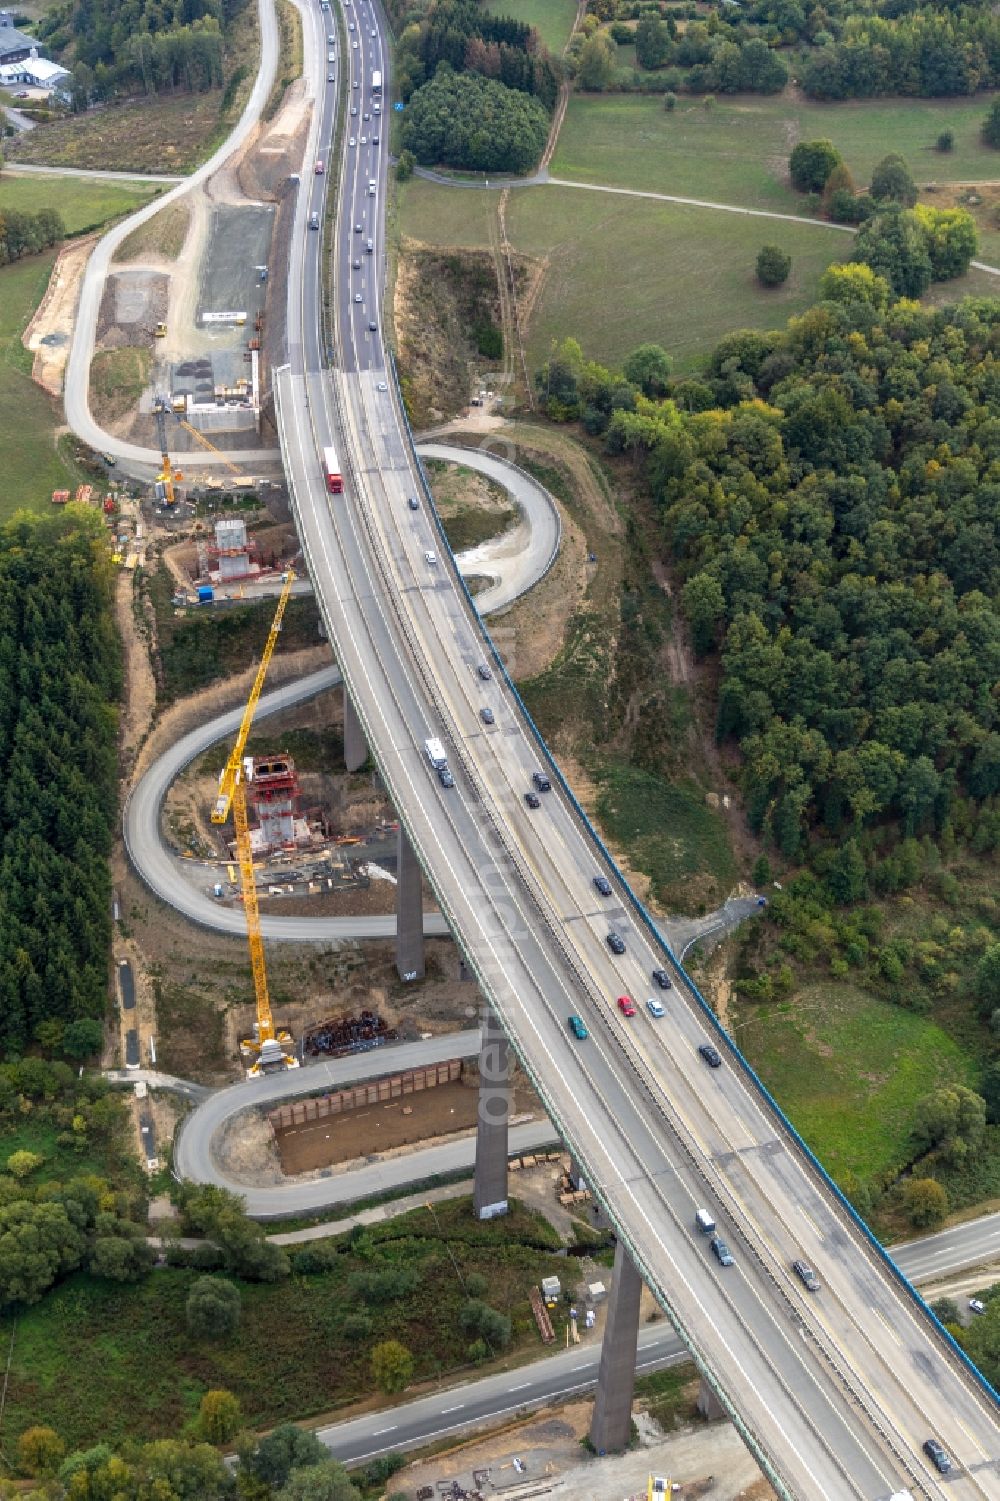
pixel 705 1461
pixel 378 1128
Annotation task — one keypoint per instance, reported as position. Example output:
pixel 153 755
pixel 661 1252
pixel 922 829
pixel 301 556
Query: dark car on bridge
pixel 805 1274
pixel 577 1028
pixel 662 979
pixel 603 885
pixel 615 943
pixel 939 1454
pixel 711 1055
pixel 721 1251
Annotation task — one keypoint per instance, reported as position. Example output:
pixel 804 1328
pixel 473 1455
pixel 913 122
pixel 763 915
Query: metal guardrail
pixel 951 1346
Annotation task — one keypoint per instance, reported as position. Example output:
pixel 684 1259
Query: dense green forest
pixel 478 87
pixel 464 120
pixel 115 46
pixel 60 678
pixel 830 498
pixel 840 49
pixel 25 234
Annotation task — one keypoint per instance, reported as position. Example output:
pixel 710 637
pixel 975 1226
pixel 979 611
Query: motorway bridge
pixel 836 1392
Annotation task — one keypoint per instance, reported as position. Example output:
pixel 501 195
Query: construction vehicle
pixel 167 475
pixel 268 1044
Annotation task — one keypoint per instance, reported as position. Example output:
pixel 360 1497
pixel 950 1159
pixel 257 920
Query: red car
pixel 626 1005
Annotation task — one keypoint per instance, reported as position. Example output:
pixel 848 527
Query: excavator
pixel 269 1045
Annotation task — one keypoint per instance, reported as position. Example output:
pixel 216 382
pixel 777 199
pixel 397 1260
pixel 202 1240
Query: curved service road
pixel 166 879
pixel 77 380
pixel 520 558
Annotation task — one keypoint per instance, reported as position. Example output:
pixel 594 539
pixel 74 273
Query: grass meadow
pixel 620 271
pixel 737 151
pixel 103 1332
pixel 84 203
pixel 849 1069
pixel 552 19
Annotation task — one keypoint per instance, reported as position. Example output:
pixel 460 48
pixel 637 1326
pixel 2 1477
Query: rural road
pixel 518 559
pixel 77 379
pixel 196 1160
pixel 163 873
pixel 26 169
pixel 570 1372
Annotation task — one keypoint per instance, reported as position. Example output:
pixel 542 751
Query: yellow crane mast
pixel 207 443
pixel 232 796
pixel 168 474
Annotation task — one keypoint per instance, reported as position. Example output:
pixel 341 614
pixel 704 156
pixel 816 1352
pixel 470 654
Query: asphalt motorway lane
pixel 558 1377
pixel 569 1373
pixel 834 1394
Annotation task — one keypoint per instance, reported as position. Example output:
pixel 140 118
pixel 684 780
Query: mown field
pixel 620 271
pixel 32 468
pixel 849 1069
pixel 83 204
pixel 103 1332
pixel 552 19
pixel 737 151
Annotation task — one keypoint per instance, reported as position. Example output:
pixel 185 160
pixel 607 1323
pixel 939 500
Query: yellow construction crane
pixel 167 474
pixel 268 1045
pixel 206 443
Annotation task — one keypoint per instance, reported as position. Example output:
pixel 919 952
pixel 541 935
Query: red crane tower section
pixel 274 789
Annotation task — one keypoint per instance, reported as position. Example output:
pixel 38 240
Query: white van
pixel 372 187
pixel 705 1222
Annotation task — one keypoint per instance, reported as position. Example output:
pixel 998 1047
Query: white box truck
pixel 436 754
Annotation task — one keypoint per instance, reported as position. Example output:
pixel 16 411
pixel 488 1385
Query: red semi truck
pixel 331 468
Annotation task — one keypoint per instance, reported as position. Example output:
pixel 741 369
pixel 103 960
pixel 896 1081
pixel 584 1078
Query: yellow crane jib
pixel 233 768
pixel 268 1044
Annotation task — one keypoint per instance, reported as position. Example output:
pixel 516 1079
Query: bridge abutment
pixel 611 1425
pixel 489 1194
pixel 409 912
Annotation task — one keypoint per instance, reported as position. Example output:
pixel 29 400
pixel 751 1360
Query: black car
pixel 603 885
pixel 541 781
pixel 805 1274
pixel 445 777
pixel 721 1251
pixel 486 715
pixel 413 503
pixel 358 230
pixel 939 1454
pixel 532 799
pixel 484 671
pixel 372 326
pixel 711 1055
pixel 662 979
pixel 615 943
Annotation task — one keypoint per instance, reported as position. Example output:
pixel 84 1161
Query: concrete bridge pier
pixel 409 910
pixel 611 1425
pixel 355 745
pixel 708 1403
pixel 489 1194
